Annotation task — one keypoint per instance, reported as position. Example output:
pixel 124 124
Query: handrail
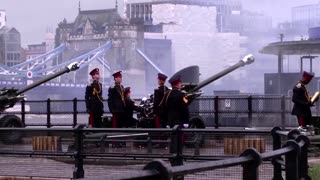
pixel 295 152
pixel 250 160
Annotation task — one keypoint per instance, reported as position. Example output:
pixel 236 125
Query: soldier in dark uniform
pixel 161 119
pixel 116 101
pixel 178 114
pixel 302 101
pixel 94 100
pixel 130 107
pixel 176 103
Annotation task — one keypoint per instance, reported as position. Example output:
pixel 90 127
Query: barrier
pixel 290 157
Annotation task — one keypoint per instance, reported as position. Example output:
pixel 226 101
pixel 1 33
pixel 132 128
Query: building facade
pixel 225 9
pixel 93 28
pixel 10 46
pixel 306 16
pixel 35 50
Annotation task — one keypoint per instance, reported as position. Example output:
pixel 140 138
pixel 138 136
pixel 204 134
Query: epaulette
pixel 299 85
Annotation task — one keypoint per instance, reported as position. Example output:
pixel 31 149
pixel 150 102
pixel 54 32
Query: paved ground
pixel 42 167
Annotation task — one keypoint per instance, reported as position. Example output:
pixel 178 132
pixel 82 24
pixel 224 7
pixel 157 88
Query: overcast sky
pixel 32 17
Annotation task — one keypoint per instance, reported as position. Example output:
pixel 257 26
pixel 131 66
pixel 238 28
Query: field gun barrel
pixel 248 59
pixel 71 67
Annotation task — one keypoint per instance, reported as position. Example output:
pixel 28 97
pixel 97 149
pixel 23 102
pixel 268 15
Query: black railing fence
pixel 192 153
pixel 291 158
pixel 216 111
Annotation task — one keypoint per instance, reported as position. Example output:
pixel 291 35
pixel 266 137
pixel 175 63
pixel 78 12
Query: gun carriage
pixel 192 88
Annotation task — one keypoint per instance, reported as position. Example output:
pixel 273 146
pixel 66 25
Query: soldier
pixel 161 119
pixel 178 114
pixel 94 100
pixel 130 107
pixel 116 101
pixel 302 101
pixel 176 103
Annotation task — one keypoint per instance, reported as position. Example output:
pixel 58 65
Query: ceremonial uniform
pixel 94 101
pixel 161 118
pixel 178 114
pixel 130 107
pixel 302 102
pixel 116 103
pixel 176 105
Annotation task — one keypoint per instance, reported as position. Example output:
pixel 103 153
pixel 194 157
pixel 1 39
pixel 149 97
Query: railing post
pixel 250 169
pixel 216 112
pixel 293 134
pixel 176 148
pixel 292 168
pixel 283 111
pixel 197 146
pixel 78 170
pixel 277 175
pixel 161 167
pixel 23 111
pixel 48 113
pixel 303 160
pixel 250 111
pixel 75 111
pixel 149 145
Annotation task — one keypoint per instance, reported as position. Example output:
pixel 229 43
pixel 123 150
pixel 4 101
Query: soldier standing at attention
pixel 178 114
pixel 302 101
pixel 161 119
pixel 94 100
pixel 176 103
pixel 116 101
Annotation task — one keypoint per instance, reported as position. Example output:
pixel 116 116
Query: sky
pixel 33 17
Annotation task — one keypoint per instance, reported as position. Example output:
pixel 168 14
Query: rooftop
pixel 293 47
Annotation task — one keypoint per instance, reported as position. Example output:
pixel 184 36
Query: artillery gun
pixel 9 97
pixel 190 79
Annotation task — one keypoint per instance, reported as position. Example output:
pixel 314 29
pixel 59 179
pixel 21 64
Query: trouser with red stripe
pixel 303 121
pixel 95 119
pixel 158 125
pixel 161 122
pixel 119 120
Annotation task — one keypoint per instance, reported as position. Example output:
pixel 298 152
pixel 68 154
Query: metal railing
pixel 216 111
pixel 295 152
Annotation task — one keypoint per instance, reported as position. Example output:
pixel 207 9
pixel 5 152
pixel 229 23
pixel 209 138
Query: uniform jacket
pixel 177 107
pixel 302 100
pixel 158 96
pixel 116 101
pixel 130 107
pixel 93 97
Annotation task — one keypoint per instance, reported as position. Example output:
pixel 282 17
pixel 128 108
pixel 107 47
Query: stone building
pixel 35 50
pixel 10 46
pixel 91 29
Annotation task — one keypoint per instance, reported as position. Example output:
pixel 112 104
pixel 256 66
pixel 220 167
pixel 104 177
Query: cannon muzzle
pixel 73 66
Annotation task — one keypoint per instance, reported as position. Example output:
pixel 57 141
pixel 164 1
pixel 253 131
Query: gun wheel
pixel 12 137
